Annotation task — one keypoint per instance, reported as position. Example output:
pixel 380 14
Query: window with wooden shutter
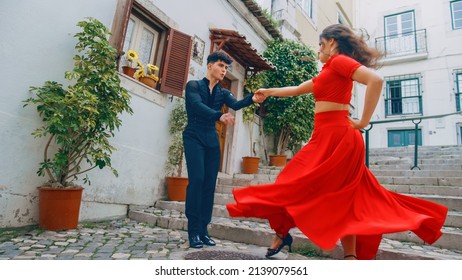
pixel 176 63
pixel 136 27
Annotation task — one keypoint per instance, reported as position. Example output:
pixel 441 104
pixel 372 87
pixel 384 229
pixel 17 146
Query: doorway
pixel 221 127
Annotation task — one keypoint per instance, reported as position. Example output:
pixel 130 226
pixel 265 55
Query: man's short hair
pixel 219 55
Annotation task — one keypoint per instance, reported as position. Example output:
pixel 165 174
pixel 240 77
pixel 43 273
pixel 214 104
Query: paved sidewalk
pixel 119 240
pixel 128 239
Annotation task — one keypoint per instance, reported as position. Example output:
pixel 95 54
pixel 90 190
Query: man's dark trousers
pixel 202 152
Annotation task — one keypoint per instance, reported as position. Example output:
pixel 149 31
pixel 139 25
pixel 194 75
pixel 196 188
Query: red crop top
pixel 334 82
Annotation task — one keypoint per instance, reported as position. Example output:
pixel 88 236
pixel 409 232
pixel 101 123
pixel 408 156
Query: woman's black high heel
pixel 285 241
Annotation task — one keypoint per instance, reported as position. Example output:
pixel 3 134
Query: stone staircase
pixel 439 179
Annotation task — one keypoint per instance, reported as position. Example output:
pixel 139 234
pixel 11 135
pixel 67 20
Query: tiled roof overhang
pixel 240 49
pixel 256 10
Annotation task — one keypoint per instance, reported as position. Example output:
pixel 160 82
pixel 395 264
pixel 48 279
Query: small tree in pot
pixel 289 119
pixel 250 163
pixel 176 183
pixel 79 120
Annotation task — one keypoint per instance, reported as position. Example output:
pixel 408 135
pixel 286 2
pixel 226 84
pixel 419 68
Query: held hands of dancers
pixel 259 95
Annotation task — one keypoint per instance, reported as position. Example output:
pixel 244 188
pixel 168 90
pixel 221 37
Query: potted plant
pixel 176 183
pixel 289 119
pixel 147 77
pixel 250 163
pixel 78 121
pixel 131 62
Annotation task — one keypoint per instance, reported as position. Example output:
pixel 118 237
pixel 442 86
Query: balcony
pixel 404 47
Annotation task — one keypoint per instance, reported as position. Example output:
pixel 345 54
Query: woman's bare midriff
pixel 325 106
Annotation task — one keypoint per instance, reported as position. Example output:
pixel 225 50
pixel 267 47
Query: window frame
pixel 399 23
pixel 303 5
pixel 156 49
pixel 458 89
pixel 453 18
pixel 175 81
pixel 405 135
pixel 398 42
pixel 390 100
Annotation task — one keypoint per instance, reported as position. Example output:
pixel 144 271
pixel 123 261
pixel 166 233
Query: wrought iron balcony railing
pixel 404 44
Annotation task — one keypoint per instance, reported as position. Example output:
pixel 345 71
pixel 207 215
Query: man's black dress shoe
pixel 195 242
pixel 207 240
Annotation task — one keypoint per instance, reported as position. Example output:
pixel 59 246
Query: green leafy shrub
pixel 79 120
pixel 289 119
pixel 177 123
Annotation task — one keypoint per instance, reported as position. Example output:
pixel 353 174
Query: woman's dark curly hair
pixel 352 45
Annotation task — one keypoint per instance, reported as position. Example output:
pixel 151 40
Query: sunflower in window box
pixel 130 61
pixel 148 76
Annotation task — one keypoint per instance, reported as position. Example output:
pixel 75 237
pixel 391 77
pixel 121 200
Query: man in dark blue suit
pixel 204 99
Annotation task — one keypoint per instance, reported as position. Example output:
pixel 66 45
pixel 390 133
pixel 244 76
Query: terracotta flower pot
pixel 150 82
pixel 129 71
pixel 250 165
pixel 59 208
pixel 176 188
pixel 278 160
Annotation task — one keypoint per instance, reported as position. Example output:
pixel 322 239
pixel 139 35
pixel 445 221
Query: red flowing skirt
pixel 327 192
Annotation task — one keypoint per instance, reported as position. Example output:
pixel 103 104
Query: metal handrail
pixel 416 121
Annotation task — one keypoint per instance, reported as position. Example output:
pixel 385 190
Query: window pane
pixel 396 136
pixel 409 88
pixel 411 136
pixel 407 23
pixel 457 14
pixel 395 97
pixel 129 35
pixel 391 25
pixel 146 45
pixel 306 6
pixel 459 83
pixel 403 95
pixel 399 24
pixel 459 91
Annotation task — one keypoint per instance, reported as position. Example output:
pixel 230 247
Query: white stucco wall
pixel 196 20
pixel 38 45
pixel 444 55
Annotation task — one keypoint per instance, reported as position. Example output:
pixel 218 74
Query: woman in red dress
pixel 326 191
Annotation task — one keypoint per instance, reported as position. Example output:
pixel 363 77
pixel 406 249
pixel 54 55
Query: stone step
pixel 447 150
pixel 454 203
pixel 445 195
pixel 418 173
pixel 410 179
pixel 448 196
pixel 258 233
pixel 406 180
pixel 420 154
pixel 436 160
pixel 451 191
pixel 424 167
pixel 246 179
pixel 454 218
pixel 424 189
pixel 452 238
pixel 410 161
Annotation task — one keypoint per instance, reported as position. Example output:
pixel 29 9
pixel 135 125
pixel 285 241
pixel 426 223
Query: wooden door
pixel 221 127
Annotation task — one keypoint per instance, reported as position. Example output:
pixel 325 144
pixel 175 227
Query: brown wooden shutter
pixel 176 63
